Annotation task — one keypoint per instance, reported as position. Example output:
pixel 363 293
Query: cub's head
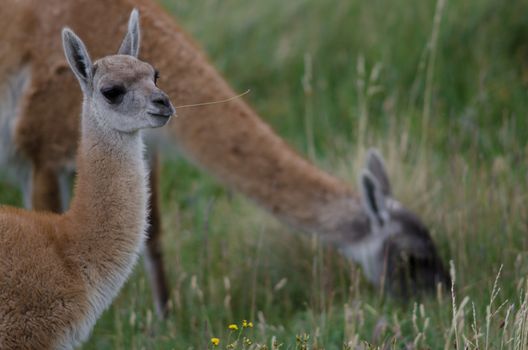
pixel 120 89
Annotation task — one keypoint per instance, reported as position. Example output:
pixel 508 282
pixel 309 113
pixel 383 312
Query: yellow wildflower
pixel 215 341
pixel 247 324
pixel 233 327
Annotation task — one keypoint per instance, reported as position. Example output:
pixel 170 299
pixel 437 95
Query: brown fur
pixel 41 289
pixel 228 140
pixel 50 264
pixel 59 272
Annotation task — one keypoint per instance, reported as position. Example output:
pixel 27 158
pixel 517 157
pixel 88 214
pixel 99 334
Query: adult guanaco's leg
pixel 153 251
pixel 45 195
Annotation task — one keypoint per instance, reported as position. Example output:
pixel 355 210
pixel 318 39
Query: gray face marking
pixel 120 90
pixel 399 255
pixel 125 93
pixel 394 248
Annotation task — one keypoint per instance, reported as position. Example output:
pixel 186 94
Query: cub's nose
pixel 161 101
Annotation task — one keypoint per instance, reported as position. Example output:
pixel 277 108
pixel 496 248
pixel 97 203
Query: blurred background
pixel 439 87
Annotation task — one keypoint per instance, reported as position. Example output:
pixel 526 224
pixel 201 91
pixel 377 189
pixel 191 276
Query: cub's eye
pixel 114 94
pixel 156 76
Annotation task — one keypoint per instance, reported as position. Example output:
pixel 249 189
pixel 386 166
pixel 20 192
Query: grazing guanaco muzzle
pixel 390 242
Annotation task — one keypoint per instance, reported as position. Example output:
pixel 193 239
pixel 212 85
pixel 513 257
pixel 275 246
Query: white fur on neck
pixel 131 148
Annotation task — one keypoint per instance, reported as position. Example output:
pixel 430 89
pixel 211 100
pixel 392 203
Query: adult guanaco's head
pixel 397 251
pixel 120 89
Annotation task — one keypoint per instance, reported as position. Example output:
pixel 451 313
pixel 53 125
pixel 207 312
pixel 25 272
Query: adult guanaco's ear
pixel 373 199
pixel 130 44
pixel 374 163
pixel 78 58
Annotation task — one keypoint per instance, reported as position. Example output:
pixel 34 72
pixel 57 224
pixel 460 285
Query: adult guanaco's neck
pixel 228 140
pixel 232 142
pixel 109 208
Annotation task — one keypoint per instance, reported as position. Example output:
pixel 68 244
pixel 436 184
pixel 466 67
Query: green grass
pixel 333 78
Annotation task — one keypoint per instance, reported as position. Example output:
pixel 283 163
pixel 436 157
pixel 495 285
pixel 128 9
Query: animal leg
pixel 153 252
pixel 45 189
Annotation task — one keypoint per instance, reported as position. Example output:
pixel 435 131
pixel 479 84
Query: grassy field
pixel 440 88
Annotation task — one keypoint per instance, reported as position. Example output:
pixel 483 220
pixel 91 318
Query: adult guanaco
pixel 59 272
pixel 229 140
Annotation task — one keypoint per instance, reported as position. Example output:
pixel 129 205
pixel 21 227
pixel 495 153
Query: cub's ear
pixel 372 199
pixel 374 163
pixel 78 58
pixel 130 44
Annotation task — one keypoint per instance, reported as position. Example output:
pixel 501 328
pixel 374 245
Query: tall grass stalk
pixel 431 65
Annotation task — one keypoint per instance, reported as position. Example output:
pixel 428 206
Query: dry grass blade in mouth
pixel 215 102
